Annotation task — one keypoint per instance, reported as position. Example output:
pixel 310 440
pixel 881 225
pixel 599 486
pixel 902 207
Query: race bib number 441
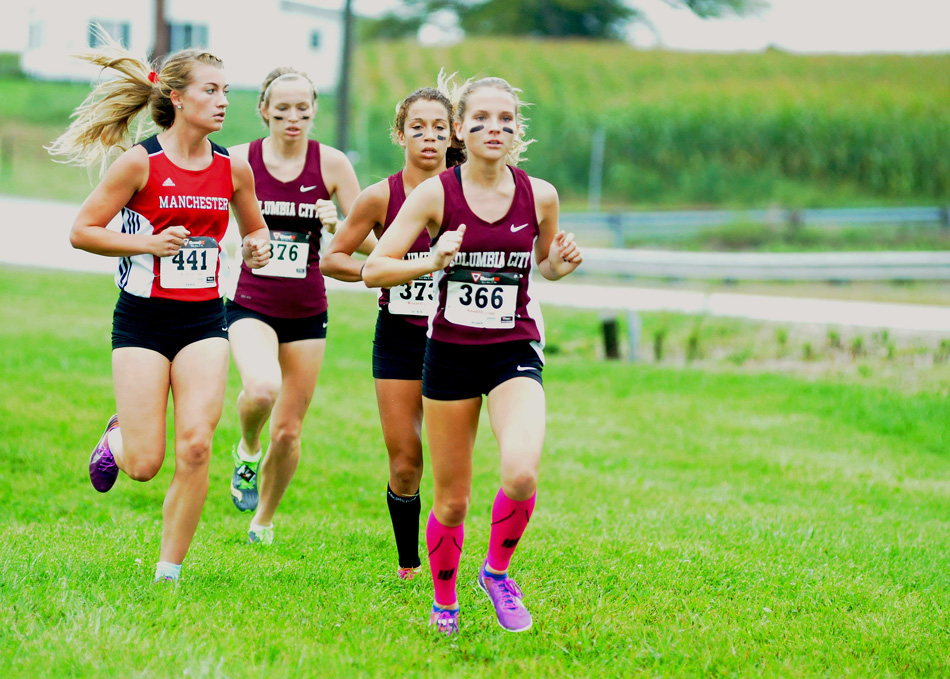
pixel 481 300
pixel 289 253
pixel 194 266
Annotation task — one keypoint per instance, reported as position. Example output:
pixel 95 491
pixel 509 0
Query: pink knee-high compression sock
pixel 445 551
pixel 509 518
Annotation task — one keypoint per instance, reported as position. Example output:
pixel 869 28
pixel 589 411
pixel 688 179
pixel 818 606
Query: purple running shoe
pixel 444 621
pixel 506 597
pixel 102 468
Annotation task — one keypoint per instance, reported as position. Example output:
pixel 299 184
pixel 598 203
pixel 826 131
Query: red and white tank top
pixel 413 301
pixel 173 196
pixel 483 295
pixel 291 285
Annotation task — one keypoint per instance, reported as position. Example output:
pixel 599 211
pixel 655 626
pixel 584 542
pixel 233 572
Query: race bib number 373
pixel 414 298
pixel 194 266
pixel 481 300
pixel 289 253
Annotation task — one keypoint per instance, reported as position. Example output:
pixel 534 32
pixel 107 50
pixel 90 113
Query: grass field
pixel 689 523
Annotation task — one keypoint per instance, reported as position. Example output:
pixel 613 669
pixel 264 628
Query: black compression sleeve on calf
pixel 404 512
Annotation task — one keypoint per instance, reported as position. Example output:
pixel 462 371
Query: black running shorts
pixel 287 329
pixel 452 372
pixel 165 325
pixel 398 348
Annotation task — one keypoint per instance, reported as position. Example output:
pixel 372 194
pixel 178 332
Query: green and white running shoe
pixel 260 535
pixel 244 482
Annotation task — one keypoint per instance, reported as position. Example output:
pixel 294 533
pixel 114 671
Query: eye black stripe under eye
pixel 440 137
pixel 477 128
pixel 416 136
pixel 508 130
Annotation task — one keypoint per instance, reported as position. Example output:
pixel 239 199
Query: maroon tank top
pixel 414 291
pixel 291 285
pixel 483 295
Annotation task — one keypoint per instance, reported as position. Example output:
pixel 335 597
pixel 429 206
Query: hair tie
pixel 152 77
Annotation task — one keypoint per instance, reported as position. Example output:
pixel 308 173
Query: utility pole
pixel 162 43
pixel 343 87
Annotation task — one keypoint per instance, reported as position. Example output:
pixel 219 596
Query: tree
pixel 555 18
pixel 597 19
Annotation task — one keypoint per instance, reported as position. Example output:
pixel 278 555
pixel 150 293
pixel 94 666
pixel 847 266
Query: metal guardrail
pixel 768 266
pixel 618 228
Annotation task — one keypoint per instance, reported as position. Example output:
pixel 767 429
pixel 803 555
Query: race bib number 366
pixel 194 266
pixel 481 300
pixel 288 257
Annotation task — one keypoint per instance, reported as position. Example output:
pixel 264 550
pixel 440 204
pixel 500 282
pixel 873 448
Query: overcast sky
pixel 796 25
pixel 806 26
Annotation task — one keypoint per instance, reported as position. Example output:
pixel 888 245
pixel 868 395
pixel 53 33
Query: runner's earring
pixel 178 107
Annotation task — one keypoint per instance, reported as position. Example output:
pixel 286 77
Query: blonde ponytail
pixel 99 130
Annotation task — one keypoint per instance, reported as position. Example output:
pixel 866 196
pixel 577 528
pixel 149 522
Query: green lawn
pixel 689 523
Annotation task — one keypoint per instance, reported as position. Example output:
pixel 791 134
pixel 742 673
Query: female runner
pixel 278 315
pixel 169 330
pixel 487 220
pixel 422 127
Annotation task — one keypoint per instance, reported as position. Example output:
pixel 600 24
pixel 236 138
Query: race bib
pixel 415 298
pixel 194 266
pixel 481 300
pixel 289 254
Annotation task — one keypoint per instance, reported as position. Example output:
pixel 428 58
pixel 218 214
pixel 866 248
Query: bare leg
pixel 451 427
pixel 198 377
pixel 255 349
pixel 400 413
pixel 141 381
pixel 300 364
pixel 516 409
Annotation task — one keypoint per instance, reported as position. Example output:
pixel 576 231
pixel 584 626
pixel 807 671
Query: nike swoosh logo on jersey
pixel 516 229
pixel 304 189
pixel 523 368
pixel 324 325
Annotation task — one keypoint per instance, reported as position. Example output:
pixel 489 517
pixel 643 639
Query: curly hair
pixel 455 154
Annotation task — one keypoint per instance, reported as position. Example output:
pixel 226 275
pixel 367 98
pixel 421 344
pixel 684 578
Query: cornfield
pixel 695 128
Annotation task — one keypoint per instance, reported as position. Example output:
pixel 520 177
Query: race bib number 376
pixel 481 300
pixel 289 253
pixel 194 266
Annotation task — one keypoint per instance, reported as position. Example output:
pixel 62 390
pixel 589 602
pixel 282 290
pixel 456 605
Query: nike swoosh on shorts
pixel 523 368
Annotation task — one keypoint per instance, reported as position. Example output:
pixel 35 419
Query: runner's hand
pixel 564 254
pixel 447 247
pixel 326 211
pixel 169 241
pixel 256 252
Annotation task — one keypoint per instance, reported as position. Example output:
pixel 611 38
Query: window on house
pixel 35 39
pixel 117 30
pixel 315 37
pixel 184 36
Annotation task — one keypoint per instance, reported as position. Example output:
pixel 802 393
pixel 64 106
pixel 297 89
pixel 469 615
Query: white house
pixel 251 38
